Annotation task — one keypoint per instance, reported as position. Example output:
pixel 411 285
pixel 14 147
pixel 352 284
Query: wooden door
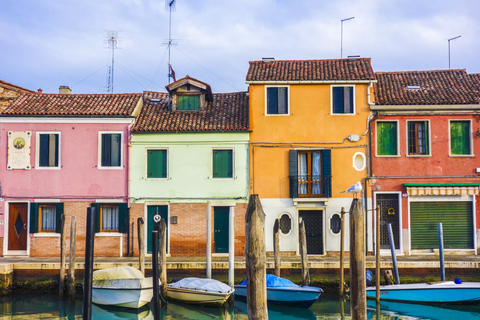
pixel 313 230
pixel 151 212
pixel 17 226
pixel 220 226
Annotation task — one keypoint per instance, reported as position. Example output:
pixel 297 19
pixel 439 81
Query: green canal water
pixel 47 306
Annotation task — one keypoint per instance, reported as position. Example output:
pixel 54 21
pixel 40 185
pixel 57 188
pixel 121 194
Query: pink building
pixel 61 153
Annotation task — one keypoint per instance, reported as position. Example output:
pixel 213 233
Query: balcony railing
pixel 310 186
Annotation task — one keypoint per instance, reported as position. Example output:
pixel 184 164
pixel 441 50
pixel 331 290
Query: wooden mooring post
pixel 63 252
pixel 342 249
pixel 71 269
pixel 255 259
pixel 163 261
pixel 141 245
pixel 155 273
pixel 358 302
pixel 276 246
pixel 303 254
pixel 377 256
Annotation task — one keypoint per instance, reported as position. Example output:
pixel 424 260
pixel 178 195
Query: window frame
pixel 469 121
pixel 40 215
pixel 354 109
pixel 102 205
pixel 376 139
pixel 428 137
pixel 100 134
pixel 233 164
pixel 167 163
pixel 266 100
pixel 37 151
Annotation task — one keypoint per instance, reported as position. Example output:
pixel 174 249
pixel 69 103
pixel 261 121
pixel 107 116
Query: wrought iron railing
pixel 310 186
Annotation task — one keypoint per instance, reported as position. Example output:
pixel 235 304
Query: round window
pixel 335 222
pixel 285 223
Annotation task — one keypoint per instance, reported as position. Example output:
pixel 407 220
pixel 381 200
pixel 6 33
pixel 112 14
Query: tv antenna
pixel 170 6
pixel 112 39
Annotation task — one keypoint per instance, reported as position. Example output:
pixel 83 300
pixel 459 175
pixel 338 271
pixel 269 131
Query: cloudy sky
pixel 49 43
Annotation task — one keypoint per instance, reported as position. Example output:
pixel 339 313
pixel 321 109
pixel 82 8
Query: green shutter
pixel 456 219
pixel 157 164
pixel 387 138
pixel 188 102
pixel 222 163
pixel 58 217
pixel 460 137
pixel 123 218
pixel 327 173
pixel 33 217
pixel 97 215
pixel 293 172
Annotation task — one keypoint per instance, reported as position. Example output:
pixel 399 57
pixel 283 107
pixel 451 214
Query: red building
pixel 425 165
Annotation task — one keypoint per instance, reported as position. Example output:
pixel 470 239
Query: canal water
pixel 44 306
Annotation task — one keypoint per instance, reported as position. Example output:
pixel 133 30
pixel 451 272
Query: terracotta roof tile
pixel 13 86
pixel 431 87
pixel 311 70
pixel 227 112
pixel 74 104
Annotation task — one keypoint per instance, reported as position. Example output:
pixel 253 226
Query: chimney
pixel 266 60
pixel 65 90
pixel 40 90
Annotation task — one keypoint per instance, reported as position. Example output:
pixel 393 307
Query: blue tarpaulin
pixel 274 281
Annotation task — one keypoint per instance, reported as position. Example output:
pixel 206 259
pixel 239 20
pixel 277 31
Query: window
pixel 188 102
pixel 460 141
pixel 109 218
pixel 310 173
pixel 45 217
pixel 336 223
pixel 277 100
pixel 387 141
pixel 156 164
pixel 285 223
pixel 343 100
pixel 222 163
pixel 111 150
pixel 418 138
pixel 48 148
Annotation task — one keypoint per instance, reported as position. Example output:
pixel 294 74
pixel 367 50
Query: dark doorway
pixel 313 230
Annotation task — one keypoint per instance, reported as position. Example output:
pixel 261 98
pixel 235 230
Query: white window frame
pixel 398 140
pixel 288 100
pixel 37 150
pixel 146 164
pixel 233 164
pixel 100 133
pixel 429 139
pixel 354 100
pixel 450 140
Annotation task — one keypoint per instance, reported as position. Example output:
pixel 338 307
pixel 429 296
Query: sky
pixel 51 43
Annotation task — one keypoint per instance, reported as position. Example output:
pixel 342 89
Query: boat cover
pixel 120 278
pixel 125 272
pixel 202 284
pixel 274 281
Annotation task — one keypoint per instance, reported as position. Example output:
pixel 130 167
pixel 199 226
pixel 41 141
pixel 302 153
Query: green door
pixel 457 223
pixel 151 212
pixel 220 227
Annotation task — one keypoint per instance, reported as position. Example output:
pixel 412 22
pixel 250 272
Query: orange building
pixel 309 122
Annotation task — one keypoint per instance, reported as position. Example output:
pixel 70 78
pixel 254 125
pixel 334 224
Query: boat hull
pixel 200 297
pixel 442 292
pixel 302 297
pixel 124 297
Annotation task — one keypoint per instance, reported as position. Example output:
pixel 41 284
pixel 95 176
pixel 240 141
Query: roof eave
pixel 309 81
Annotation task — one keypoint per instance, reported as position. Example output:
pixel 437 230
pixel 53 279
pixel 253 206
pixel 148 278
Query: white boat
pixel 208 292
pixel 121 287
pixel 435 292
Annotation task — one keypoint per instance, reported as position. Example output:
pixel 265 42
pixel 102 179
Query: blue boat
pixel 284 292
pixel 447 292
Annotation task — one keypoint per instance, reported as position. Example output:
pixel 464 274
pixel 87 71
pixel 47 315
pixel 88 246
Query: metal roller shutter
pixel 456 219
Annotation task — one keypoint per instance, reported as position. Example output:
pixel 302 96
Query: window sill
pixel 108 234
pixel 388 156
pixel 47 235
pixel 418 155
pixel 48 168
pixel 461 155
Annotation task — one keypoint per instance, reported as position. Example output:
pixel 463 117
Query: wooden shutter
pixel 272 100
pixel 337 100
pixel 327 173
pixel 97 215
pixel 293 172
pixel 34 217
pixel 43 150
pixel 387 138
pixel 123 218
pixel 106 150
pixel 459 137
pixel 157 164
pixel 222 163
pixel 58 217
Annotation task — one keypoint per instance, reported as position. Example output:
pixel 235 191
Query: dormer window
pixel 189 94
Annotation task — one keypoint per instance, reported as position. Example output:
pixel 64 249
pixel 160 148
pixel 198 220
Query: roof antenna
pixel 112 39
pixel 170 6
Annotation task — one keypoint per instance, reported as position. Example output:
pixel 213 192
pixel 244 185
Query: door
pixel 152 211
pixel 389 213
pixel 313 220
pixel 220 227
pixel 17 226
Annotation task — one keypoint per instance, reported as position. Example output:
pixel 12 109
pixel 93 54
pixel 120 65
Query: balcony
pixel 310 186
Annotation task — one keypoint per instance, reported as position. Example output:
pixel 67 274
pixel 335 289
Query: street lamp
pixel 341 36
pixel 449 48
